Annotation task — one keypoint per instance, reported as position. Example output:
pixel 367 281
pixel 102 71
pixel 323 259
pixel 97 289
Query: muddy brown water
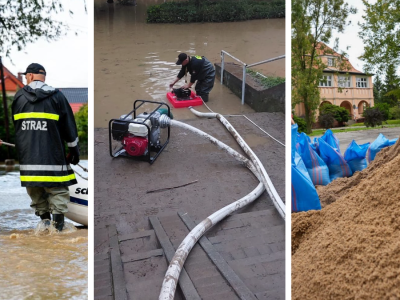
pixel 35 262
pixel 135 60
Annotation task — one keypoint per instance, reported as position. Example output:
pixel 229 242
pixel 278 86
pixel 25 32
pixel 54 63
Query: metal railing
pixel 245 66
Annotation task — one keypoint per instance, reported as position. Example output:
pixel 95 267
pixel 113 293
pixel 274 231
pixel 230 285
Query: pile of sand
pixel 351 248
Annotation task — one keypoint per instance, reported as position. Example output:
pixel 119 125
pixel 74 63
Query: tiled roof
pixel 76 106
pixel 327 51
pixel 12 83
pixel 75 95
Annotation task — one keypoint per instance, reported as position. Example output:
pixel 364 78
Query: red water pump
pixel 135 145
pixel 138 135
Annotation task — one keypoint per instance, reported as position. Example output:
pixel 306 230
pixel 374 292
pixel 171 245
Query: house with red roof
pixel 76 97
pixel 344 86
pixel 12 83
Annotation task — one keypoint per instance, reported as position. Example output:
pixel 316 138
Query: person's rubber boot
pixel 204 97
pixel 46 217
pixel 58 221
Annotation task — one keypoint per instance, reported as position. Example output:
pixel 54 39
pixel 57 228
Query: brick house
pixel 350 88
pixel 12 83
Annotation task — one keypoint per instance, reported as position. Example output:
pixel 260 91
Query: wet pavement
pixel 135 60
pixel 122 200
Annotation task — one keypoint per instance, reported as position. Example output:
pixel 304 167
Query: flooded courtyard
pixel 135 60
pixel 38 263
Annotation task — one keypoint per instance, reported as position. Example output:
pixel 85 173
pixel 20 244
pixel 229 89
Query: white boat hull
pixel 78 205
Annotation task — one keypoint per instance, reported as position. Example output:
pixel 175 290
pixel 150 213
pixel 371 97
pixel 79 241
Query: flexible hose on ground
pixel 243 160
pixel 276 199
pixel 175 267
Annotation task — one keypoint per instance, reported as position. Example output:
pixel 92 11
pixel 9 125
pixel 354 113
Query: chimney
pixel 20 78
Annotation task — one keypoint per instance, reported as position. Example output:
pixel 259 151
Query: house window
pixel 344 81
pixel 326 80
pixel 331 62
pixel 361 82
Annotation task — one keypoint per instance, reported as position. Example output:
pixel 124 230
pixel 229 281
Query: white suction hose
pixel 276 199
pixel 175 266
pixel 218 143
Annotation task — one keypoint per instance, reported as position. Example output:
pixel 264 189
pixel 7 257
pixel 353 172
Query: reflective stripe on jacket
pixel 43 122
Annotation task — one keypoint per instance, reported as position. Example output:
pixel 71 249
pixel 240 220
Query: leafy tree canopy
pixel 381 35
pixel 313 22
pixel 25 21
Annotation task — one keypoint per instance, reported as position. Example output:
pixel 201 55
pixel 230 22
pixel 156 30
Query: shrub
pixel 373 116
pixel 266 82
pixel 81 119
pixel 219 11
pixel 301 123
pixel 326 120
pixel 340 114
pixel 394 113
pixel 385 109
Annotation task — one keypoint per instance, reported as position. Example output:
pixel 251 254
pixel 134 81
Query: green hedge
pixel 210 11
pixel 266 82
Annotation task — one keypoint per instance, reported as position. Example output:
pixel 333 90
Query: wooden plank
pixel 186 285
pixel 135 235
pixel 118 278
pixel 143 255
pixel 236 283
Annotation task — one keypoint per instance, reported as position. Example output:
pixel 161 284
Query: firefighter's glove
pixel 73 155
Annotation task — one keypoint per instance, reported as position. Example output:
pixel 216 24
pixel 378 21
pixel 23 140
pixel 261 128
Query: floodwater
pixel 135 60
pixel 35 262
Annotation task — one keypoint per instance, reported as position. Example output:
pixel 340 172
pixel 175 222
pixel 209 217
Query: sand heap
pixel 351 248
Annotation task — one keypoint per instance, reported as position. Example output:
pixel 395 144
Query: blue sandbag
pixel 336 163
pixel 304 194
pixel 331 140
pixel 316 167
pixel 355 156
pixel 377 145
pixel 315 146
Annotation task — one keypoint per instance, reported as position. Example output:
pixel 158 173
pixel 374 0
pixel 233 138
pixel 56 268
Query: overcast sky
pixel 350 36
pixel 65 60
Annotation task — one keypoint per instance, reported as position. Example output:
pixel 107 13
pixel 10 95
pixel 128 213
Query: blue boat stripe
pixel 78 201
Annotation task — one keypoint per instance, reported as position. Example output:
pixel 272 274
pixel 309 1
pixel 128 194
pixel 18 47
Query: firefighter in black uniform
pixel 43 121
pixel 201 70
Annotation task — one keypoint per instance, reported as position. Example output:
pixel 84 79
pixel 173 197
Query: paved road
pixel 365 136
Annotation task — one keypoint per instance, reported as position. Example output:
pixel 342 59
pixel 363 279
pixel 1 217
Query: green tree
pixel 391 87
pixel 25 21
pixel 81 119
pixel 313 22
pixel 378 89
pixel 381 35
pixel 385 109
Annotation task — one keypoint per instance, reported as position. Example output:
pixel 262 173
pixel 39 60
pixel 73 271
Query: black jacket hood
pixel 37 91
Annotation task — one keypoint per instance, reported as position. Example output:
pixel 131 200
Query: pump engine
pixel 139 134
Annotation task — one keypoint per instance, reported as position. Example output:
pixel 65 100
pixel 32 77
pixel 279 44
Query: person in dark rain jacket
pixel 201 70
pixel 44 121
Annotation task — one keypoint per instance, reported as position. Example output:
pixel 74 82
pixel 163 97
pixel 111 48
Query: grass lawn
pixel 388 122
pixel 357 127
